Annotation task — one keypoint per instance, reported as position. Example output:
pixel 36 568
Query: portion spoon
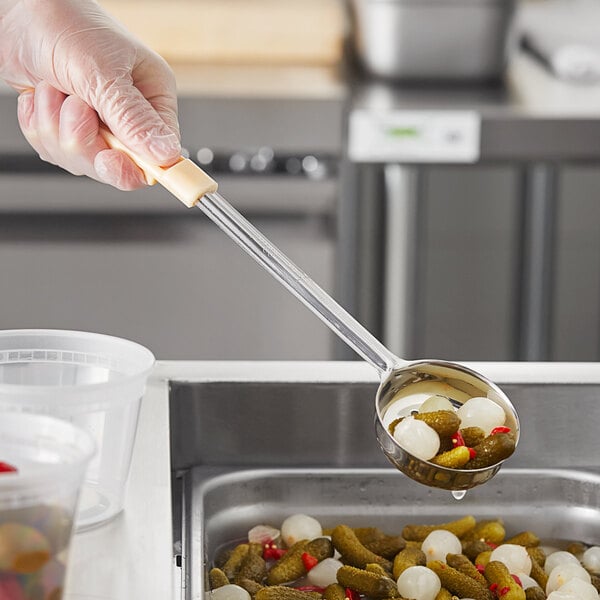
pixel 403 385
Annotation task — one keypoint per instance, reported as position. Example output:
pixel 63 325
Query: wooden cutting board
pixel 237 31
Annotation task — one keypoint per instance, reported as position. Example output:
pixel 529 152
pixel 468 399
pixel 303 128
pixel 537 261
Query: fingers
pixel 131 117
pixel 64 131
pixel 140 108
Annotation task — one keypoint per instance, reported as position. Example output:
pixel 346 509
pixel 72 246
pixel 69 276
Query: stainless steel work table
pixel 133 556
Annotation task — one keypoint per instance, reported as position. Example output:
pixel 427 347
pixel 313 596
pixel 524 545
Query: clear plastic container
pixel 92 380
pixel 38 502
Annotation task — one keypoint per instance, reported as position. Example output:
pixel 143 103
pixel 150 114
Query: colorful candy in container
pixel 42 465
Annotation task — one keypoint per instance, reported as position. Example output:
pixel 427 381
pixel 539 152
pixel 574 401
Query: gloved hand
pixel 74 65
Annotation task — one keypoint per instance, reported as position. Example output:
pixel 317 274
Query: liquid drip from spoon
pixel 459 494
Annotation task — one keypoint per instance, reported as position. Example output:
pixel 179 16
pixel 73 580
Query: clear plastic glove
pixel 74 66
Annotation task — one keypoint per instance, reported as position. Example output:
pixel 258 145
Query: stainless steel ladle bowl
pixel 403 390
pixel 400 380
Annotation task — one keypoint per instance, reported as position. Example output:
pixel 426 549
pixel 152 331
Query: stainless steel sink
pixel 244 453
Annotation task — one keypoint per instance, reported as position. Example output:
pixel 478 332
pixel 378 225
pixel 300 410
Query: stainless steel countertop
pixel 132 556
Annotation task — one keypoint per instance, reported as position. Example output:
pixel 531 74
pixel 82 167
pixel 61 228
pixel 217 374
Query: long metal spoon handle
pixel 190 184
pixel 296 281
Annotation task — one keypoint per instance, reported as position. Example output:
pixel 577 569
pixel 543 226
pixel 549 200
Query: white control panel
pixel 415 136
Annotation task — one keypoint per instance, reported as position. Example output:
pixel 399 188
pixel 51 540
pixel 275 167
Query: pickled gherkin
pixel 459 584
pixel 253 566
pixel 368 583
pixel 537 571
pixel 492 450
pixel 456 458
pixel 537 553
pixel 321 548
pixel 445 422
pixel 473 549
pixel 483 559
pixel 334 592
pixel 487 531
pixel 232 565
pixel 472 436
pixel 377 569
pixel 498 576
pixel 281 592
pixel 289 566
pixel 535 593
pixel 354 553
pixel 367 569
pixel 387 546
pixel 459 528
pixel 249 585
pixel 576 548
pixel 461 563
pixel 528 539
pixel 217 578
pixel 409 557
pixel 366 535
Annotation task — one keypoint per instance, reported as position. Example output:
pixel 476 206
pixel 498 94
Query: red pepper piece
pixel 480 568
pixel 309 561
pixel 492 545
pixel 310 588
pixel 458 440
pixel 503 591
pixel 272 552
pixel 352 595
pixel 500 430
pixel 493 587
pixel 472 453
pixel 6 468
pixel 517 579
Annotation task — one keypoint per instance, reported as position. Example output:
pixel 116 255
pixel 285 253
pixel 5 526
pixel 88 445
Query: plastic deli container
pixel 94 381
pixel 38 501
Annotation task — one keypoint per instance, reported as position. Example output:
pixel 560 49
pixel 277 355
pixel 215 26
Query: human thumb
pixel 138 125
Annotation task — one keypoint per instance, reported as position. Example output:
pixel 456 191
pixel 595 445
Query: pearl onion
pixel 562 596
pixel 558 558
pixel 419 583
pixel 527 581
pixel 230 592
pixel 515 558
pixel 300 527
pixel 263 534
pixel 563 573
pixel 591 559
pixel 325 573
pixel 481 412
pixel 434 403
pixel 439 543
pixel 580 589
pixel 417 437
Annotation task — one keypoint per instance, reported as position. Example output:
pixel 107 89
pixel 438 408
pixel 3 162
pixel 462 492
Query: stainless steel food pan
pixel 433 39
pixel 555 504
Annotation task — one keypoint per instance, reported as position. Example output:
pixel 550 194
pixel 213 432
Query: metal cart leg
pixel 538 260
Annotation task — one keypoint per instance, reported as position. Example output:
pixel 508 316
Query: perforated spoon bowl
pixel 404 385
